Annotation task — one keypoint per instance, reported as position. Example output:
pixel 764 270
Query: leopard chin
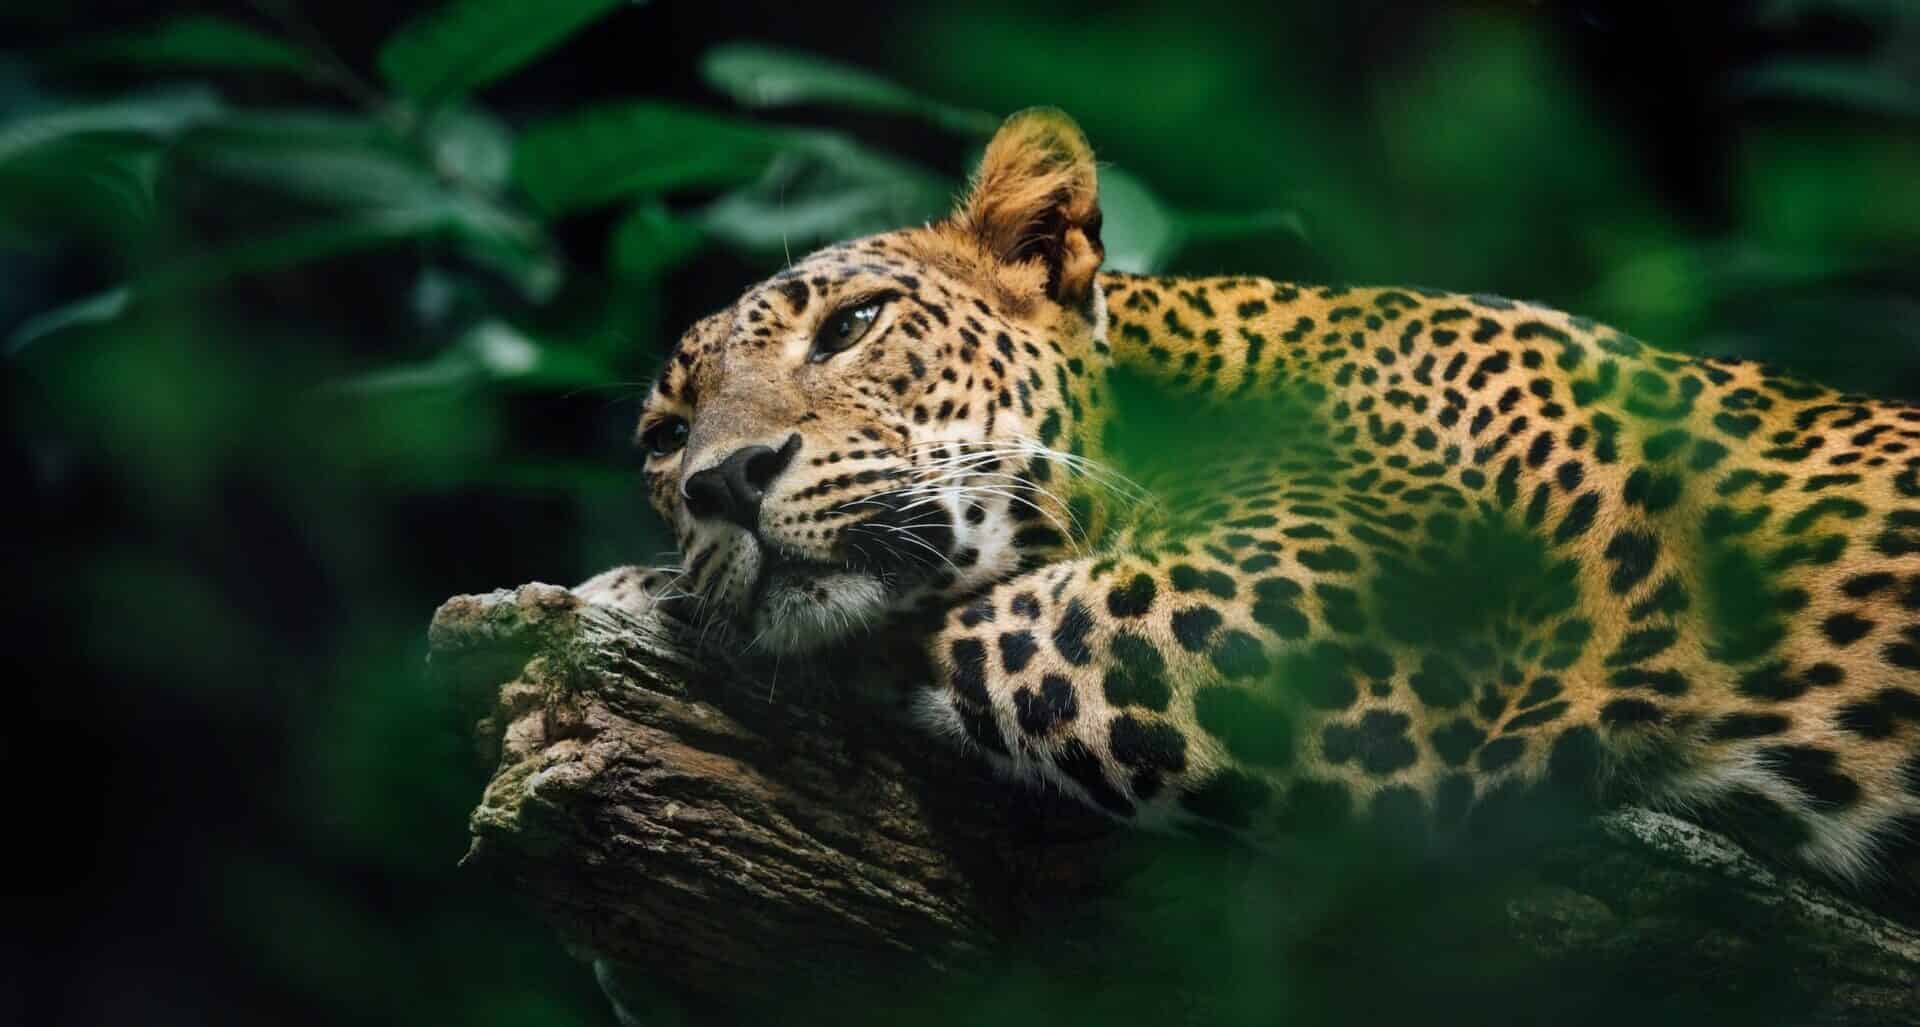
pixel 805 606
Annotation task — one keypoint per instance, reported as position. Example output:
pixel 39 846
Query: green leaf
pixel 764 76
pixel 88 185
pixel 338 164
pixel 471 146
pixel 823 189
pixel 1142 233
pixel 453 369
pixel 95 165
pixel 96 309
pixel 197 41
pixel 294 126
pixel 504 354
pixel 1861 86
pixel 332 161
pixel 650 241
pixel 1139 233
pixel 153 117
pixel 1213 227
pixel 491 352
pixel 1786 12
pixel 302 245
pixel 602 153
pixel 466 44
pixel 367 230
pixel 508 242
pixel 346 160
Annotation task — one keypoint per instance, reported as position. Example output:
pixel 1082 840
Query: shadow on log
pixel 732 854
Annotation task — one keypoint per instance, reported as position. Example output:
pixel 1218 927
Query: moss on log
pixel 732 846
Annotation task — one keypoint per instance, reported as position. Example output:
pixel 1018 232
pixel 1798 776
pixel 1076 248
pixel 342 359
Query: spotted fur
pixel 1419 555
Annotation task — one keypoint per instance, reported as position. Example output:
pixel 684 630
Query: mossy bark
pixel 712 837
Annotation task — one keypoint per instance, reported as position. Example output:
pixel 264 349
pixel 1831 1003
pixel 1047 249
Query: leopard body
pixel 1387 557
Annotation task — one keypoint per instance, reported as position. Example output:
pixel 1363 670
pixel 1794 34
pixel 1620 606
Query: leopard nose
pixel 732 489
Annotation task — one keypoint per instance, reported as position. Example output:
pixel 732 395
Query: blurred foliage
pixel 312 316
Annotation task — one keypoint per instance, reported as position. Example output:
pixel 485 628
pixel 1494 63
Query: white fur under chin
pixel 795 619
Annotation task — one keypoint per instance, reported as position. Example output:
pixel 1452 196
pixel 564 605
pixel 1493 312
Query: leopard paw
pixel 632 589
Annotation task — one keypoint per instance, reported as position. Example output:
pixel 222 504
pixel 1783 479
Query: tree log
pixel 730 844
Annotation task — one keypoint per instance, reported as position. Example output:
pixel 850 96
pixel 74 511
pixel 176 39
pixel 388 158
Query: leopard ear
pixel 1035 199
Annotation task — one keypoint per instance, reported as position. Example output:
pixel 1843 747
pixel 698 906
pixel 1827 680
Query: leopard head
pixel 894 422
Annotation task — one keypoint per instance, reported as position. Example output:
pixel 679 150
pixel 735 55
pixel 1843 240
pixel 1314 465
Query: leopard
pixel 1252 558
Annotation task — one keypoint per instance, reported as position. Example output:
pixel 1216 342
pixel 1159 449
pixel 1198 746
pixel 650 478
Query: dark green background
pixel 389 284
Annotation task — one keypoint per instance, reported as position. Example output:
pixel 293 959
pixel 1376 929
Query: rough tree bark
pixel 685 828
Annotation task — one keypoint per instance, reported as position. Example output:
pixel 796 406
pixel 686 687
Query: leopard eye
pixel 845 329
pixel 666 436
